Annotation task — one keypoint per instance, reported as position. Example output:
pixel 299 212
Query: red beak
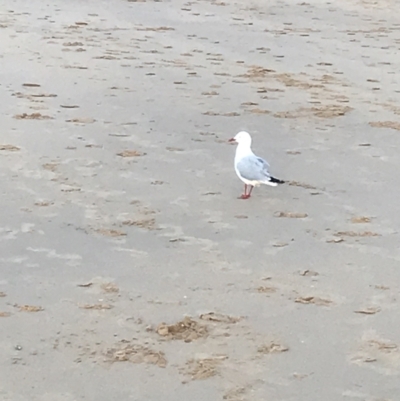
pixel 232 140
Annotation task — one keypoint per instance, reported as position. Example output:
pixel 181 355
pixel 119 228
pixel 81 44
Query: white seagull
pixel 251 169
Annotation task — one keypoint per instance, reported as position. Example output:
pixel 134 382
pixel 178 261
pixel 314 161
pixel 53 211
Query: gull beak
pixel 232 140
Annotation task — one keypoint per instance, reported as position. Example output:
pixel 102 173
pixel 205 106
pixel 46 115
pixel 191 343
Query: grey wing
pixel 253 168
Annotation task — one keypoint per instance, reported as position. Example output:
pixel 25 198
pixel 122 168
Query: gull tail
pixel 276 181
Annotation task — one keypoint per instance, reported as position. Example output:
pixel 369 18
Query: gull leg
pixel 251 188
pixel 245 195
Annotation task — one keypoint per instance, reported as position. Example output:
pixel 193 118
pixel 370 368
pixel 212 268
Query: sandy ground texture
pixel 129 268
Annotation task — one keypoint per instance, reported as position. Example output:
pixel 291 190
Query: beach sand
pixel 129 268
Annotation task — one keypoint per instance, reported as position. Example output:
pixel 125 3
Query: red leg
pixel 251 188
pixel 245 195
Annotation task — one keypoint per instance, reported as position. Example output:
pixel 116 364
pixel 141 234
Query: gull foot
pixel 244 196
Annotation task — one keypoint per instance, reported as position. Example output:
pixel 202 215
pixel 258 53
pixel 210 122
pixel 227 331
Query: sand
pixel 129 268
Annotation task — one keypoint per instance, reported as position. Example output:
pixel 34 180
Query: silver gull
pixel 251 169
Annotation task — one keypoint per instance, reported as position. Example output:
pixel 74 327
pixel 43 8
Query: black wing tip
pixel 276 180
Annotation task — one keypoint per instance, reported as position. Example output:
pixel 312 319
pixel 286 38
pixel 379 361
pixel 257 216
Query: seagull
pixel 251 169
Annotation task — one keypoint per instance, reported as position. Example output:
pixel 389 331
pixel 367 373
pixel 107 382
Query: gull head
pixel 242 138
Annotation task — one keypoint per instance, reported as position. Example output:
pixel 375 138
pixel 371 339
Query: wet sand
pixel 129 268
